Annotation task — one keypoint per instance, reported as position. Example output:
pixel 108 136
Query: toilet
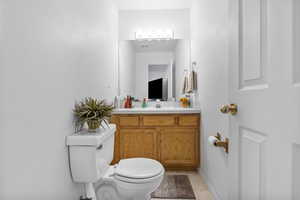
pixel 90 155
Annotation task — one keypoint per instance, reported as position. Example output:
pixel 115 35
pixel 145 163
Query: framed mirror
pixel 153 69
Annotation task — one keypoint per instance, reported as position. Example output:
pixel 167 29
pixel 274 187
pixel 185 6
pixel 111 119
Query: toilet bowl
pixel 131 179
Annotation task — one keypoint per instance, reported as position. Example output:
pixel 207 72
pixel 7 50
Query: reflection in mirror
pixel 159 76
pixel 153 69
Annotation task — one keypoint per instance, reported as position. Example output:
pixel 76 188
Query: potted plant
pixel 93 112
pixel 185 102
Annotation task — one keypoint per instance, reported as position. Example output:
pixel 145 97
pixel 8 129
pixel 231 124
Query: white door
pixel 264 81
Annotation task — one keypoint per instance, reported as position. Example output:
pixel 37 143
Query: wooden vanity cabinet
pixel 171 139
pixel 178 147
pixel 138 143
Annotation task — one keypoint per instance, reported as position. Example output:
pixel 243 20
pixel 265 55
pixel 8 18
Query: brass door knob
pixel 231 109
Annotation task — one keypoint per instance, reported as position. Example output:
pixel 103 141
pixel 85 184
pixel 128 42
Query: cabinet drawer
pixel 188 120
pixel 129 121
pixel 159 120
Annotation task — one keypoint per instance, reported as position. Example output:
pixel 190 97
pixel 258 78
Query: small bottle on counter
pixel 158 105
pixel 126 105
pixel 128 102
pixel 144 104
pixel 117 102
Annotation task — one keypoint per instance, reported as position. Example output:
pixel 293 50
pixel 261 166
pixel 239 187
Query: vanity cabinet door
pixel 138 143
pixel 179 147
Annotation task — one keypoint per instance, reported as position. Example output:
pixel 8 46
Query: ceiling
pixel 153 4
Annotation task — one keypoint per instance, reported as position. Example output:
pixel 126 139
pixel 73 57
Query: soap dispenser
pixel 144 104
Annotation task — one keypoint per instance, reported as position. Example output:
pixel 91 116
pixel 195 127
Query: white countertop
pixel 153 110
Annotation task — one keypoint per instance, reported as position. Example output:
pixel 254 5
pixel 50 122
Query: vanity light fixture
pixel 167 34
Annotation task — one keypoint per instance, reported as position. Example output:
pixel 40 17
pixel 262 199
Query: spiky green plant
pixel 92 109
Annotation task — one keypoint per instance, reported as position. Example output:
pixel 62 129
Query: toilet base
pixel 85 198
pixel 107 192
pixel 111 188
pixel 89 191
pixel 148 197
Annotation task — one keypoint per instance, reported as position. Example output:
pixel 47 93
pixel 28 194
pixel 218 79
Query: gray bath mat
pixel 174 187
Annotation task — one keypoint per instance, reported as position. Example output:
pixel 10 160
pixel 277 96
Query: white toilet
pixel 131 179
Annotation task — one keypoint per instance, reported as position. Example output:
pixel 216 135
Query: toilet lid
pixel 138 168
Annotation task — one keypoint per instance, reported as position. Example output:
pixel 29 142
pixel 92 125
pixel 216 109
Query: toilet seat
pixel 137 181
pixel 138 170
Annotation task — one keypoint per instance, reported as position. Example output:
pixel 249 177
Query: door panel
pixel 296 171
pixel 263 133
pixel 252 36
pixel 296 19
pixel 138 143
pixel 249 89
pixel 252 164
pixel 296 97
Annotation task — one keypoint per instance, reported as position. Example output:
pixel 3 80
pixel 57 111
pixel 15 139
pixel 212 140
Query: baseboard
pixel 211 188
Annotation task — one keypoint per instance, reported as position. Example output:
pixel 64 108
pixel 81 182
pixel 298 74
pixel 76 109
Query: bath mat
pixel 174 187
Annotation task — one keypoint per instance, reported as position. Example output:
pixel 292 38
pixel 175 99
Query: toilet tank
pixel 90 154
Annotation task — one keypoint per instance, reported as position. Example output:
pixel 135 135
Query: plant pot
pixel 93 125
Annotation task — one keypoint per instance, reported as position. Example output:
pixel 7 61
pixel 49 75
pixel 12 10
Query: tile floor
pixel 199 187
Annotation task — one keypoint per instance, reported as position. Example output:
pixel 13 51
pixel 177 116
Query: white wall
pixel 209 23
pixel 51 53
pixel 182 62
pixel 127 68
pixel 142 62
pixel 176 20
pixel 153 4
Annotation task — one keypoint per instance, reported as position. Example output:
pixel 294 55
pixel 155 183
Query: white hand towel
pixel 192 82
pixel 185 84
